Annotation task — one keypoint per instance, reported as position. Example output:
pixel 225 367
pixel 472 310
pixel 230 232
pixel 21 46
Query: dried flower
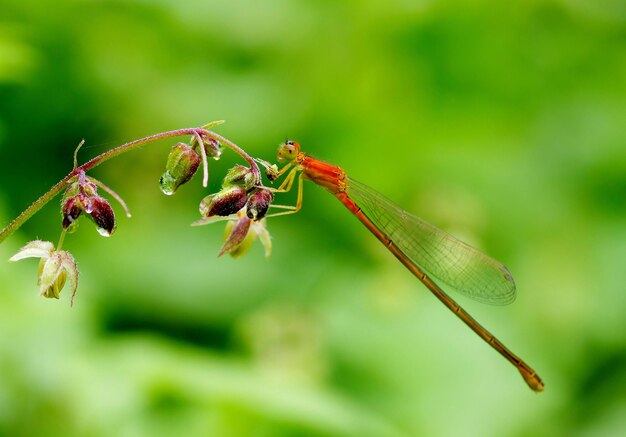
pixel 55 268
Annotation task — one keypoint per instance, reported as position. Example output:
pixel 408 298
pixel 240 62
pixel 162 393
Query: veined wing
pixel 447 259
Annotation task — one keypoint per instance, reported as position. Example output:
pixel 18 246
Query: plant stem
pixel 109 154
pixel 235 148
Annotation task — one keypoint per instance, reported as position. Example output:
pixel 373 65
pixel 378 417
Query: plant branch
pixel 94 162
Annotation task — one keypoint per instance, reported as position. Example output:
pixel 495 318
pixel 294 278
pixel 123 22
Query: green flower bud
pixel 239 175
pixel 182 164
pixel 211 146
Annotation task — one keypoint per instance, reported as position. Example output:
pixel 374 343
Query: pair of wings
pixel 446 259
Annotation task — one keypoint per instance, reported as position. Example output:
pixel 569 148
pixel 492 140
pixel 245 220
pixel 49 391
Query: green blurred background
pixel 501 122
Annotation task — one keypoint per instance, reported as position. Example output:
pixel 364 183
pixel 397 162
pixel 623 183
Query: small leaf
pixel 264 236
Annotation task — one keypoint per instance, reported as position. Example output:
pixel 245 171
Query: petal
pixel 266 240
pixel 236 236
pixel 34 249
pixel 49 274
pixel 69 265
pixel 244 246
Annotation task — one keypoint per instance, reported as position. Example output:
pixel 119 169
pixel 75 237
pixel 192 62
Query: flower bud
pixel 102 214
pixel 96 207
pixel 51 277
pixel 211 146
pixel 258 203
pixel 71 210
pixel 226 202
pixel 272 173
pixel 181 165
pixel 239 175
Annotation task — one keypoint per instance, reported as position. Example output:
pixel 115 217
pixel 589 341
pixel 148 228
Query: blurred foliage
pixel 502 122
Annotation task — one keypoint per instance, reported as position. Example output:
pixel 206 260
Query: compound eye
pixel 288 150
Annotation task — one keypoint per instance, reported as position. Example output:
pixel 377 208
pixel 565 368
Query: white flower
pixel 55 268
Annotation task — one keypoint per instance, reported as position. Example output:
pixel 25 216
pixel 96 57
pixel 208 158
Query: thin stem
pixel 34 207
pixel 94 162
pixel 205 162
pixel 61 238
pixel 76 152
pixel 235 148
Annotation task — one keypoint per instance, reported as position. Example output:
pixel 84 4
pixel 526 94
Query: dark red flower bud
pixel 97 208
pixel 258 203
pixel 182 164
pixel 102 214
pixel 226 202
pixel 71 210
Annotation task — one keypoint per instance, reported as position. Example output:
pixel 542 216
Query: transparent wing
pixel 439 254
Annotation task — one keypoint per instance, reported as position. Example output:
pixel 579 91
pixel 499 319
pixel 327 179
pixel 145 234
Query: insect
pixel 430 254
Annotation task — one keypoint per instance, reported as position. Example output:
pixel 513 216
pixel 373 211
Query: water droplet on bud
pixel 167 184
pixel 103 232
